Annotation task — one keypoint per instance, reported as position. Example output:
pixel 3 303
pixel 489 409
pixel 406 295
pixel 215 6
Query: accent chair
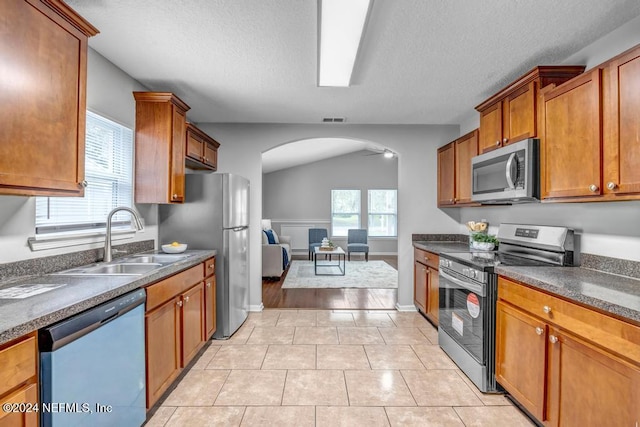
pixel 315 239
pixel 357 242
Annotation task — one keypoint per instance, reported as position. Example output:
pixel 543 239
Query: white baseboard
pixel 410 307
pixel 256 308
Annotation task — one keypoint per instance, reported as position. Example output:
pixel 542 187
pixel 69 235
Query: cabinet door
pixel 446 175
pixel 622 126
pixel 211 155
pixel 43 106
pixel 195 146
pixel 163 348
pixel 27 394
pixel 589 386
pixel 210 307
pixel 420 277
pixel 570 155
pixel 432 295
pixel 520 357
pixel 192 322
pixel 520 115
pixel 466 148
pixel 176 186
pixel 491 128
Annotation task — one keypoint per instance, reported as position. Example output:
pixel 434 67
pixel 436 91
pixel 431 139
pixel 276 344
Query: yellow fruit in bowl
pixel 175 244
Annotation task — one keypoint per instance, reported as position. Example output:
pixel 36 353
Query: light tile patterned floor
pixel 331 368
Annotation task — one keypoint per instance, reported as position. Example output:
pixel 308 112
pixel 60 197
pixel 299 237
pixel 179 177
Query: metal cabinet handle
pixel 424 269
pixel 612 185
pixel 210 267
pixel 546 309
pixel 539 330
pixel 208 284
pixel 175 196
pixel 497 143
pixel 553 339
pixel 186 299
pixel 505 140
pixel 83 184
pixel 593 188
pixel 179 303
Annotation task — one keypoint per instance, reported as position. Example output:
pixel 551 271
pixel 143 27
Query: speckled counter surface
pixel 441 246
pixel 618 295
pixel 22 316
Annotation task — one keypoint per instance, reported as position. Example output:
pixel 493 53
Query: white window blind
pixel 345 211
pixel 109 174
pixel 383 213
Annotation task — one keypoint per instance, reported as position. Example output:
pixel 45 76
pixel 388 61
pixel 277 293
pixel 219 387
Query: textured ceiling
pixel 421 61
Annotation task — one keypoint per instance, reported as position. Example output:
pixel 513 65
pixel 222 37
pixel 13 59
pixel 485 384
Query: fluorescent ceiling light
pixel 341 26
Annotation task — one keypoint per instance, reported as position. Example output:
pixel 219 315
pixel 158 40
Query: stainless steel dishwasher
pixel 92 366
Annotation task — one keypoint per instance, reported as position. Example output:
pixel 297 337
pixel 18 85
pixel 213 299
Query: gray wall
pixel 609 228
pixel 109 94
pixel 303 193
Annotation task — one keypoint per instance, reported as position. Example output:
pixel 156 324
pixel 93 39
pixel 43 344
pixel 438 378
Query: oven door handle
pixel 478 289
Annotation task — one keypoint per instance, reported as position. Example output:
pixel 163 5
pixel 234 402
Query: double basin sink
pixel 135 265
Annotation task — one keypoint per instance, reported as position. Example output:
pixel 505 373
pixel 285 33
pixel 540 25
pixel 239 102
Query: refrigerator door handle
pixel 243 227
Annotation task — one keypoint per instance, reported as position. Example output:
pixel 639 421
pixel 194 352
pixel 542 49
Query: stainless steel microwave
pixel 507 175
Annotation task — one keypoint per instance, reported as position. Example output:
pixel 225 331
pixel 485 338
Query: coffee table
pixel 339 252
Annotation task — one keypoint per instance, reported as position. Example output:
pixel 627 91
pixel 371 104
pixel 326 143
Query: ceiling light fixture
pixel 341 24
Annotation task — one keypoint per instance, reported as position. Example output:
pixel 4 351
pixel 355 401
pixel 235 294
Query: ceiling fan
pixel 388 154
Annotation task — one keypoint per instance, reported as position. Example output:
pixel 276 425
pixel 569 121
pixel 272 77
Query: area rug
pixel 358 274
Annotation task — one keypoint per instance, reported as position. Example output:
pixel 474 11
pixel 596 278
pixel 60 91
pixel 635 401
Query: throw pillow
pixel 272 237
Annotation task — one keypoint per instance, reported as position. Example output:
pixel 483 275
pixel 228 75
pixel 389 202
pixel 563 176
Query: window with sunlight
pixel 345 211
pixel 109 174
pixel 383 213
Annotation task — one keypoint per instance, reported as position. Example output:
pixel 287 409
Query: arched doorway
pixel 301 181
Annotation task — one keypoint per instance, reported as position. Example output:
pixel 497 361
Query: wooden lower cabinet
pixel 163 335
pixel 520 357
pixel 589 386
pixel 425 283
pixel 19 380
pixel 174 326
pixel 209 307
pixel 565 364
pixel 27 394
pixel 192 322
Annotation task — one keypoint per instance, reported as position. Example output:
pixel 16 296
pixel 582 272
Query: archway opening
pixel 308 184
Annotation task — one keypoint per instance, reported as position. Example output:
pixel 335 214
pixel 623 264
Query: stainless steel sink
pixel 155 258
pixel 121 269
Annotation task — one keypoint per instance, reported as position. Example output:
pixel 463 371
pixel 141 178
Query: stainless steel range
pixel 468 293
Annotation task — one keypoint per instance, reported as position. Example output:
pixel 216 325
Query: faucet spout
pixel 107 238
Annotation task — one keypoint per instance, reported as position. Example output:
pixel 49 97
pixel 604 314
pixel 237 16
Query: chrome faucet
pixel 107 238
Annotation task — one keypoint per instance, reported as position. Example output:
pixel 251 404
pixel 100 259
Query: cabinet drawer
pixel 166 289
pixel 209 267
pixel 17 363
pixel 27 394
pixel 427 258
pixel 600 329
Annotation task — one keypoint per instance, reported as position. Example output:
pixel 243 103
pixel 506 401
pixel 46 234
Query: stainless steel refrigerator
pixel 215 215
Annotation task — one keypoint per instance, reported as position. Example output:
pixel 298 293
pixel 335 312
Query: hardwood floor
pixel 273 296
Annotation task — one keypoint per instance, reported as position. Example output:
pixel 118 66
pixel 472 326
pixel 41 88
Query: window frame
pixel 56 235
pixel 370 213
pixel 358 214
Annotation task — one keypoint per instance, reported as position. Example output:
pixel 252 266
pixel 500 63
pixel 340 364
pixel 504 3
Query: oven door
pixel 463 313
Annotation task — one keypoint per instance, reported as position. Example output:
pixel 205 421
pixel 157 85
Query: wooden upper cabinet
pixel 202 150
pixel 491 125
pixel 454 170
pixel 570 154
pixel 466 149
pixel 622 125
pixel 160 147
pixel 446 175
pixel 43 49
pixel 511 114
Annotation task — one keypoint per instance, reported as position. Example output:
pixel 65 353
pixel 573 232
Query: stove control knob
pixel 448 263
pixel 465 271
pixel 473 274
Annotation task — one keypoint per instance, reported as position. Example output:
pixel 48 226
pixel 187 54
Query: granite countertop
pixel 441 246
pixel 22 316
pixel 610 293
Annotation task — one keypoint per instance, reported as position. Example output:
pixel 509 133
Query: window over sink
pixel 109 176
